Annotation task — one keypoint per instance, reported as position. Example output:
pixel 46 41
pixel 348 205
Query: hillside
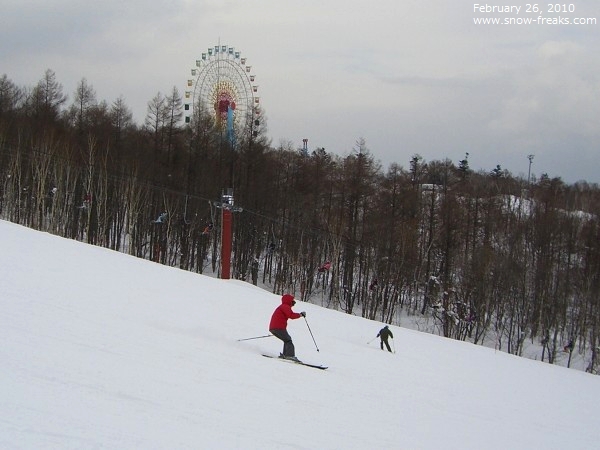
pixel 103 350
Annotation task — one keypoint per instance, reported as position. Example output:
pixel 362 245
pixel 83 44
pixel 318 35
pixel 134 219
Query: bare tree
pixel 173 112
pixel 47 97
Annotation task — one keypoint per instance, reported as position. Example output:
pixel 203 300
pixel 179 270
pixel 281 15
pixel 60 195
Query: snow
pixel 103 350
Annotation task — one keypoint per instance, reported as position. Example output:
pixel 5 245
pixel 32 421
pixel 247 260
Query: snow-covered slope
pixel 103 350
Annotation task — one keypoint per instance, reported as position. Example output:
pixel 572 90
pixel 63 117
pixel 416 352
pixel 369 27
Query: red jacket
pixel 282 313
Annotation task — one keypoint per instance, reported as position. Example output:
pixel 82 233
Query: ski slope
pixel 103 350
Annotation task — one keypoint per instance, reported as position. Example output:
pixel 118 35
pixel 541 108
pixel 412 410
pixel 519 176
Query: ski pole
pixel 257 337
pixel 311 335
pixel 372 340
pixel 393 346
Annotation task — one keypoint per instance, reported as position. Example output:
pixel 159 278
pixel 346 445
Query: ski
pixel 316 366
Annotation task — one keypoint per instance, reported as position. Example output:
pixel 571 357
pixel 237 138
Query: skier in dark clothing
pixel 384 334
pixel 278 325
pixel 569 347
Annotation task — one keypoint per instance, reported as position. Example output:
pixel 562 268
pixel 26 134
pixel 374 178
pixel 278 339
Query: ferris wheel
pixel 223 86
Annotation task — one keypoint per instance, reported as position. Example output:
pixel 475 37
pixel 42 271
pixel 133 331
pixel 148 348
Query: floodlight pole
pixel 530 158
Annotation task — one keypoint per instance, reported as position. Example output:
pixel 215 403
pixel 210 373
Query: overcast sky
pixel 410 77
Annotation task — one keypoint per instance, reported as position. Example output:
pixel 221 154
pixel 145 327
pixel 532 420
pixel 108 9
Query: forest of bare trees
pixel 485 255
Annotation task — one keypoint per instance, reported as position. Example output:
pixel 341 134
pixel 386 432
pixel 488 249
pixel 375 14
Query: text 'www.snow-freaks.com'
pixel 530 14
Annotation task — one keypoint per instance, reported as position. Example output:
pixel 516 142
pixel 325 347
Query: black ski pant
pixel 288 345
pixel 386 344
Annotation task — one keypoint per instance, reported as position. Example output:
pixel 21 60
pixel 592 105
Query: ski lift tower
pixel 227 209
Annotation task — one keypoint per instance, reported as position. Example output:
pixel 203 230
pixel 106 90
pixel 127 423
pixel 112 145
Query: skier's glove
pixel 303 314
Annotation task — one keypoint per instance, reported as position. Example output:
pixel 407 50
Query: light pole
pixel 530 158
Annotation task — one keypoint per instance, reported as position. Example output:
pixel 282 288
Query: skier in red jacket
pixel 278 325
